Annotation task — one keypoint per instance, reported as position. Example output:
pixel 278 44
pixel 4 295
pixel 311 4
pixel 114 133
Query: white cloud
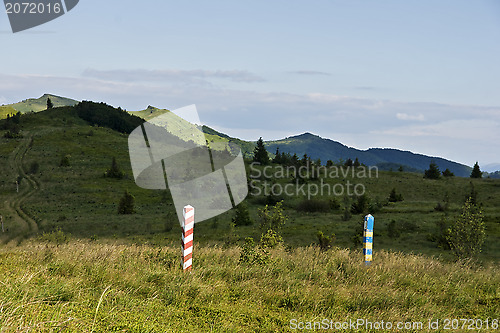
pixel 308 72
pixel 178 76
pixel 404 116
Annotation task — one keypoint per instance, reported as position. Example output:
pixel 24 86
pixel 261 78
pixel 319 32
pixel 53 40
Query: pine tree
pixel 127 203
pixel 433 171
pixel 394 197
pixel 114 171
pixel 348 163
pixel 260 154
pixel 476 172
pixel 356 163
pixel 49 104
pixel 277 158
pixel 305 160
pixel 242 216
pixel 448 173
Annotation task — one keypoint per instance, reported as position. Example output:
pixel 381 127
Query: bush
pixel 114 171
pixel 242 216
pixel 272 217
pixel 442 233
pixel 448 173
pixel 34 167
pixel 360 206
pixel 65 161
pixel 443 207
pixel 270 239
pixel 334 204
pixel 250 254
pixel 57 237
pixel 127 203
pixel 395 197
pixel 392 230
pixel 314 205
pixel 466 236
pixel 325 242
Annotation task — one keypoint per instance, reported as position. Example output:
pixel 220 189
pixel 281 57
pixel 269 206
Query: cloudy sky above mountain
pixel 413 75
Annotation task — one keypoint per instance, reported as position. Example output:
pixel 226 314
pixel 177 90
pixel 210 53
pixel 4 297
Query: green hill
pixel 40 104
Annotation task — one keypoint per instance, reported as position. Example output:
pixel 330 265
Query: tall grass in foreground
pixel 90 287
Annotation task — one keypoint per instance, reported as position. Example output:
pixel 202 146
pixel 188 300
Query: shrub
pixel 466 236
pixel 361 204
pixel 314 205
pixel 270 239
pixel 127 203
pixel 65 161
pixel 34 167
pixel 325 242
pixel 448 173
pixel 443 207
pixel 242 216
pixel 395 197
pixel 114 171
pixel 442 233
pixel 334 204
pixel 272 217
pixel 392 230
pixel 57 237
pixel 250 254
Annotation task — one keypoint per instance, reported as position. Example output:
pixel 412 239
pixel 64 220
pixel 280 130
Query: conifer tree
pixel 260 154
pixel 433 171
pixel 476 171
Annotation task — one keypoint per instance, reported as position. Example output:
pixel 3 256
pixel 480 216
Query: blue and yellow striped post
pixel 368 239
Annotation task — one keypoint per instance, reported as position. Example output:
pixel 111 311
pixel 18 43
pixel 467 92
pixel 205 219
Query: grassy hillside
pixel 70 262
pixel 79 200
pixel 6 110
pixel 84 286
pixel 40 104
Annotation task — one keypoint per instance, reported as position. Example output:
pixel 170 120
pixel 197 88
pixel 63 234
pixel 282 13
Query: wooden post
pixel 187 238
pixel 368 239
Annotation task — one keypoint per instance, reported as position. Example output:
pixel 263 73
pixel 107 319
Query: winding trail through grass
pixel 29 185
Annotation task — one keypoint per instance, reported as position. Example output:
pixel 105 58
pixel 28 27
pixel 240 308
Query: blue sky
pixel 413 75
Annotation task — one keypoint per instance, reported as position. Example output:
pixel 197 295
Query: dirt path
pixel 13 206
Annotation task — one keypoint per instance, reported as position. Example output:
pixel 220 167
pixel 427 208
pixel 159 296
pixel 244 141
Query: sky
pixel 413 75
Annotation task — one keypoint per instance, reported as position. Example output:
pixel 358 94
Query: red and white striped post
pixel 187 238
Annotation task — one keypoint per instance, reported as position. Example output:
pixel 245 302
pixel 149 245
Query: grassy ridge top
pixel 82 287
pixel 40 104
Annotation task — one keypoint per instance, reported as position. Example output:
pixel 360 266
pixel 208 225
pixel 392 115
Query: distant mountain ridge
pixel 386 158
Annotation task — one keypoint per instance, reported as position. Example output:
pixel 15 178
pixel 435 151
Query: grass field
pixel 86 286
pixel 118 272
